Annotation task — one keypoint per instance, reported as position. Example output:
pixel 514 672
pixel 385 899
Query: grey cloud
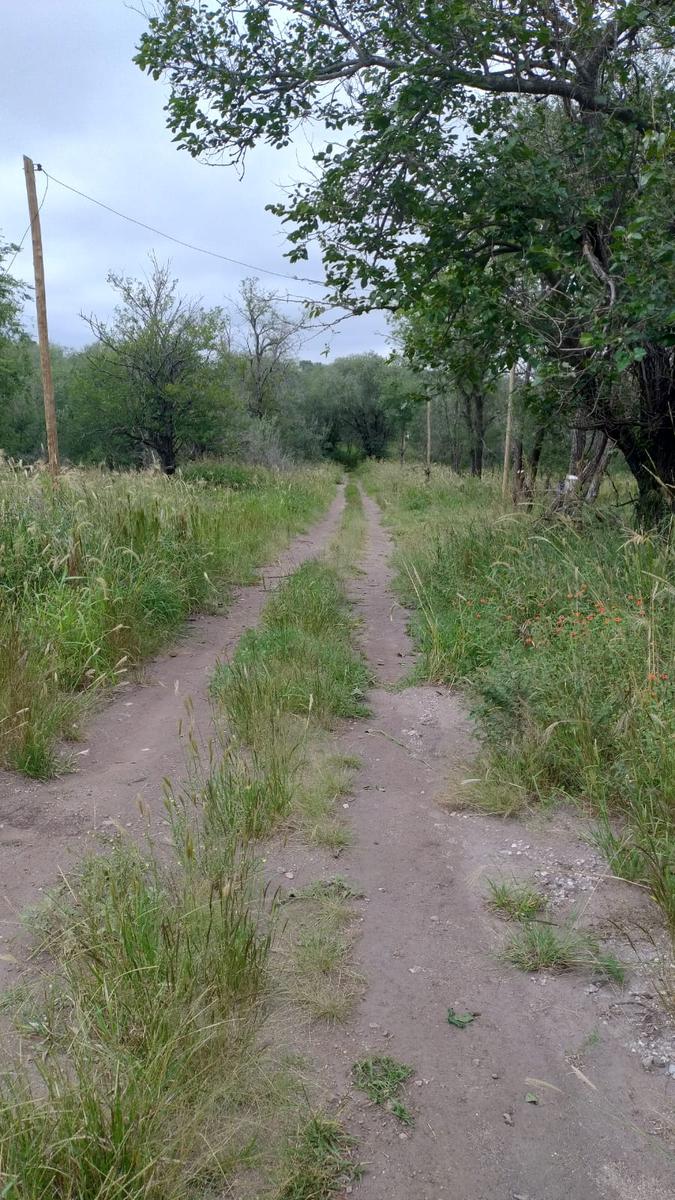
pixel 72 99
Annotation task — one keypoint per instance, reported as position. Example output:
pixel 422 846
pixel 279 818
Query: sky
pixel 72 99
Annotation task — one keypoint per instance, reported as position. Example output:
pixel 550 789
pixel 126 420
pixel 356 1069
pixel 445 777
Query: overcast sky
pixel 71 98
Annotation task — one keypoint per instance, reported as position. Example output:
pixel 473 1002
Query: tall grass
pixel 96 573
pixel 149 1078
pixel 291 678
pixel 564 632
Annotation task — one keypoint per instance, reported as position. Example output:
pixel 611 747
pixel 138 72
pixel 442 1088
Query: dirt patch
pixel 131 747
pixel 540 1096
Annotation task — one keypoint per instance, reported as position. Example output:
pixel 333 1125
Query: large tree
pixel 424 103
pixel 153 381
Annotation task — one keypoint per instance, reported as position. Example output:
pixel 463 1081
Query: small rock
pixel 494 1075
pixel 647 1061
pixel 508 1119
pixel 592 989
pixel 671 1069
pixel 289 874
pixel 403 1137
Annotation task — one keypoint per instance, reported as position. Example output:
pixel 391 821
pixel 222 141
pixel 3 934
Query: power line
pixel 179 241
pixel 6 270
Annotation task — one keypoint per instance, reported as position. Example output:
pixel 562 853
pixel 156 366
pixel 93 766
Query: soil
pixel 548 1093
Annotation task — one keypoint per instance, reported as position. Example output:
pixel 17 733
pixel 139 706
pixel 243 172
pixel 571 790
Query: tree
pixel 21 425
pixel 268 338
pixel 154 381
pixel 563 108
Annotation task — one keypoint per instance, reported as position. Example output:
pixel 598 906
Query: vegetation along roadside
pixel 147 1066
pixel 564 633
pixel 99 572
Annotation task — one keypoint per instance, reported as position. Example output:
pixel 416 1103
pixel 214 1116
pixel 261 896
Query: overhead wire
pixel 6 270
pixel 180 242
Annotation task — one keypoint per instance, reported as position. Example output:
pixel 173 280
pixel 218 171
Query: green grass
pixel 319 1162
pixel 563 634
pixel 336 888
pixel 534 947
pixel 98 573
pixel 382 1078
pixel 317 948
pixel 300 661
pixel 517 901
pixel 151 1075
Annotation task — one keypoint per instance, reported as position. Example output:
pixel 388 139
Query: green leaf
pixel 460 1020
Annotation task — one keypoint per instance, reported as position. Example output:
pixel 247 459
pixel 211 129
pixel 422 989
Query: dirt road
pixel 131 747
pixel 543 1096
pixel 602 1127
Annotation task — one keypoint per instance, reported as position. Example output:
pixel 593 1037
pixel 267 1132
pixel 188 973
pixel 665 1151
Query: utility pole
pixel 41 305
pixel 427 469
pixel 507 436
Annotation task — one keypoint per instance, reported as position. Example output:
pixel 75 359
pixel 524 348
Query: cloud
pixel 71 98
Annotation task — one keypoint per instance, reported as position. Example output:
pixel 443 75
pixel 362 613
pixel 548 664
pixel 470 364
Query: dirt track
pixel 130 748
pixel 602 1127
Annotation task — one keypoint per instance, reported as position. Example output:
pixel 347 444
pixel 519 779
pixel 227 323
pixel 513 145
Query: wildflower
pixel 651 677
pixel 590 617
pixel 618 620
pixel 529 641
pixel 663 676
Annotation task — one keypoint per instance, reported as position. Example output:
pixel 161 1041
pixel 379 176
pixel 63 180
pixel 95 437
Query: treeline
pixel 167 381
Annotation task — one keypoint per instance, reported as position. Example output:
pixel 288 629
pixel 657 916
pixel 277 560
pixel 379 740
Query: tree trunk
pixel 535 456
pixel 648 442
pixel 577 445
pixel 519 480
pixel 474 412
pixel 166 452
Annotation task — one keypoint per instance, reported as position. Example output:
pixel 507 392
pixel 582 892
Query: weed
pixel 96 575
pixel 320 979
pixel 536 947
pixel 518 901
pixel 336 888
pixel 564 634
pixel 382 1078
pixel 319 1162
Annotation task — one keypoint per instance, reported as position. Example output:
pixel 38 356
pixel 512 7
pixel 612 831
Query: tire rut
pixel 427 944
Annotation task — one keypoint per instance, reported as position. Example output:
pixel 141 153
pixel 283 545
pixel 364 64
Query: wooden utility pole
pixel 507 436
pixel 41 305
pixel 427 468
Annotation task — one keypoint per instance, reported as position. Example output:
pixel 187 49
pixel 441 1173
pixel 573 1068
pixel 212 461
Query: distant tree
pixel 265 342
pixel 360 395
pixel 154 380
pixel 21 422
